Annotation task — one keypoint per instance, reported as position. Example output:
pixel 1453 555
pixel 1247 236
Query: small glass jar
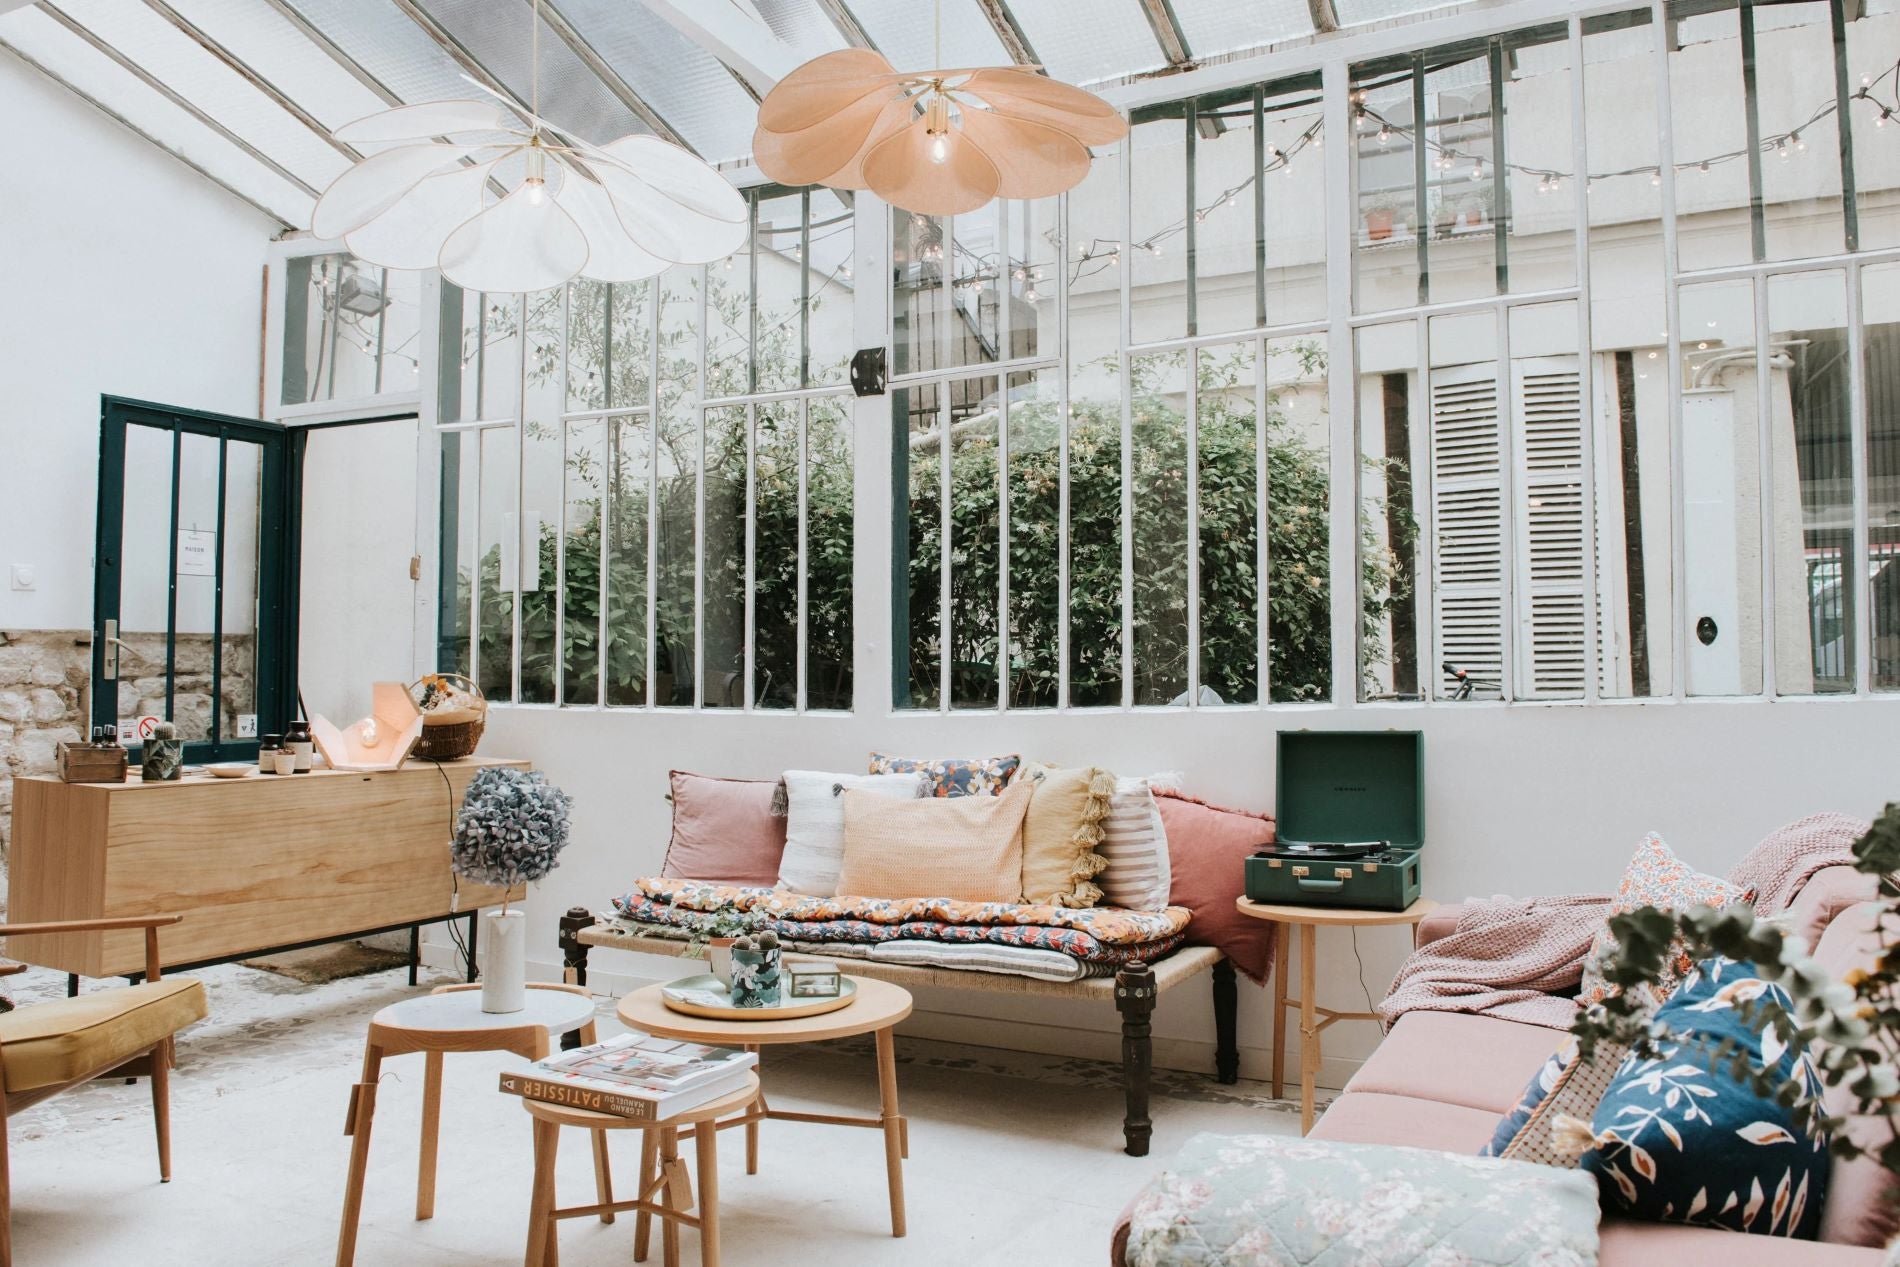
pixel 298 743
pixel 266 748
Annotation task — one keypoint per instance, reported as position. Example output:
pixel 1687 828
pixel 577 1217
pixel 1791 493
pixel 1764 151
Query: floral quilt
pixel 1279 1201
pixel 1095 935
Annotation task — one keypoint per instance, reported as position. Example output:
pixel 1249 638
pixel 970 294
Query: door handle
pixel 109 653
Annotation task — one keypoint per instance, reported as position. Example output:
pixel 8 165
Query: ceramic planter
pixel 756 978
pixel 719 958
pixel 504 961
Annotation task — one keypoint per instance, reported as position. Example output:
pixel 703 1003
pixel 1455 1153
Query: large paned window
pixel 647 487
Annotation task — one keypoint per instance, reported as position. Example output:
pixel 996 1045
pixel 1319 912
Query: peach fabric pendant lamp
pixel 935 142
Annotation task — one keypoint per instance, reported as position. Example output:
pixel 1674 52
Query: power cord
pixel 455 885
pixel 1363 989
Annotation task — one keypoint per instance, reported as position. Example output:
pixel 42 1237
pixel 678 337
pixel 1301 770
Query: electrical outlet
pixel 25 577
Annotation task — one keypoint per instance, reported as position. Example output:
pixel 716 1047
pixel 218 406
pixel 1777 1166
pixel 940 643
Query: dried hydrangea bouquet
pixel 511 830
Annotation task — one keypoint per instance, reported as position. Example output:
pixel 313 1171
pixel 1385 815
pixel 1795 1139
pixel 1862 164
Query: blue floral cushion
pixel 1680 1142
pixel 953 776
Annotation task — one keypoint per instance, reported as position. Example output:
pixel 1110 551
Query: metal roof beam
pixel 251 77
pixel 590 57
pixel 1009 31
pixel 1168 33
pixel 747 47
pixel 331 49
pixel 1325 15
pixel 138 131
pixel 471 65
pixel 847 24
pixel 151 81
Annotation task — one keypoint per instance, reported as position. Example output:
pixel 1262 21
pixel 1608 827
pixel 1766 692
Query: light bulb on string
pixel 1655 179
pixel 1477 170
pixel 1385 135
pixel 1703 167
pixel 1781 149
pixel 1800 145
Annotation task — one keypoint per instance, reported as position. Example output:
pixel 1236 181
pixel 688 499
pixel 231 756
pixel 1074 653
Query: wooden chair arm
pixel 9 968
pixel 150 923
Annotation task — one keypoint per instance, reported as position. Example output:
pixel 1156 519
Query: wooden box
pixel 252 864
pixel 90 763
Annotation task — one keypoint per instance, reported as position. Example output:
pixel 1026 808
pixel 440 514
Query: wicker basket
pixel 450 734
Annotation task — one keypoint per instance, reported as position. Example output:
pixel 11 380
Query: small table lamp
pixel 380 741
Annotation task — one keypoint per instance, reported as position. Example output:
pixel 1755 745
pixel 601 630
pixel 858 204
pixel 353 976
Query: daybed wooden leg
pixel 1226 1037
pixel 1135 1000
pixel 574 958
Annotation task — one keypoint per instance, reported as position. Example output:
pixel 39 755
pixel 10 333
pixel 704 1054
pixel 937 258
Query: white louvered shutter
pixel 1468 503
pixel 1552 552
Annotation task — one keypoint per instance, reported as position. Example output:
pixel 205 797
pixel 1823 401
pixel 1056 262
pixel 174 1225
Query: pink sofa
pixel 1442 1080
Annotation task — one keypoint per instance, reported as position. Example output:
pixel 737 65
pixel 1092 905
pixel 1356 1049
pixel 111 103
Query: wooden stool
pixel 662 1175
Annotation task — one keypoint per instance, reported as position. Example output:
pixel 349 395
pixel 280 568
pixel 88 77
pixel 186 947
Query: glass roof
pixel 247 90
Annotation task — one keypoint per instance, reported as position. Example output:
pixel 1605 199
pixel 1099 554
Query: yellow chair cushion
pixel 47 1044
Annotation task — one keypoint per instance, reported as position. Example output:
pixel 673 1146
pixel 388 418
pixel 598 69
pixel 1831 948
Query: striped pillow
pixel 1136 845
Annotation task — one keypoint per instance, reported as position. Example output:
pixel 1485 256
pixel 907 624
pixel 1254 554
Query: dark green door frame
pixel 279 532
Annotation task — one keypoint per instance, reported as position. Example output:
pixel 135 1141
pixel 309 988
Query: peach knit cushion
pixel 968 848
pixel 1655 877
pixel 1067 816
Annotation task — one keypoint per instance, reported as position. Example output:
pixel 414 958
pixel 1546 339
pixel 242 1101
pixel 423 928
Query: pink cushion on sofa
pixel 1627 1243
pixel 1369 1117
pixel 724 829
pixel 1207 850
pixel 1860 1209
pixel 1476 1062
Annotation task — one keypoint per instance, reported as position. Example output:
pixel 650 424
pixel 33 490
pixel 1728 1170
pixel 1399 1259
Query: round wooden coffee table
pixel 1313 1017
pixel 876 1010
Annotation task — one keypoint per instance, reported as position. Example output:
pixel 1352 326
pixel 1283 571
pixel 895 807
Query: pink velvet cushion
pixel 1372 1117
pixel 1207 849
pixel 724 829
pixel 1860 1206
pixel 1477 1062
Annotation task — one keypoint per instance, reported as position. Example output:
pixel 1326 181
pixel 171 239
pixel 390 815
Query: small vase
pixel 504 961
pixel 163 760
pixel 755 978
pixel 719 957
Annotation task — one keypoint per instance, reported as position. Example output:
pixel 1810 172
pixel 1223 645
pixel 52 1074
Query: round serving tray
pixel 786 1009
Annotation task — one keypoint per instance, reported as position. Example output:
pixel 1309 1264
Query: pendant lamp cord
pixel 534 68
pixel 936 33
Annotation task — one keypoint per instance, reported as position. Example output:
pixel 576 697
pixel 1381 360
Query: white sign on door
pixel 197 552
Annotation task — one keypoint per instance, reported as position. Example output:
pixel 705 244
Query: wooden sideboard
pixel 253 864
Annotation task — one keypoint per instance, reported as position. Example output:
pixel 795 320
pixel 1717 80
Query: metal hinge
pixel 415 567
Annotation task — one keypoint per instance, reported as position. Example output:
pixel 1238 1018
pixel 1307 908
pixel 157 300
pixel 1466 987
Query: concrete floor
pixel 1014 1158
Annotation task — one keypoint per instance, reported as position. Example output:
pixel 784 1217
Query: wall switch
pixel 25 577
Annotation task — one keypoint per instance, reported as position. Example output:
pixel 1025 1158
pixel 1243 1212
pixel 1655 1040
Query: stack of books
pixel 634 1075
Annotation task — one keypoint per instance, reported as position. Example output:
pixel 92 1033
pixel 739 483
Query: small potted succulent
pixel 711 935
pixel 756 965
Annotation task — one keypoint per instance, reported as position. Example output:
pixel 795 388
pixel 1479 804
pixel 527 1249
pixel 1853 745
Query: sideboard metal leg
pixel 415 951
pixel 1226 1036
pixel 72 985
pixel 1135 1000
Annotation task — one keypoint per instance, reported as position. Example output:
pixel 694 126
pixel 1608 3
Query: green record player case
pixel 1336 789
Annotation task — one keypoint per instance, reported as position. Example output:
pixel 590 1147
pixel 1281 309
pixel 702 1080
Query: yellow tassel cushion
pixel 967 848
pixel 1067 818
pixel 49 1044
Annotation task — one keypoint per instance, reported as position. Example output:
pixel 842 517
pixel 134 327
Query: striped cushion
pixel 1136 846
pixel 1020 961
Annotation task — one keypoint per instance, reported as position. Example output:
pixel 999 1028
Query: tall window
pixel 648 487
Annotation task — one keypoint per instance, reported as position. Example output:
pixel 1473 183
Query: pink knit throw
pixel 1520 958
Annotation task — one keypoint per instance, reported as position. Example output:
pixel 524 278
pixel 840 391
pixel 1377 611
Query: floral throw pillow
pixel 1655 877
pixel 953 776
pixel 1679 1139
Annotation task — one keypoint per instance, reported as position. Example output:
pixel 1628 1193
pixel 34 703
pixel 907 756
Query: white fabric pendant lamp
pixel 615 213
pixel 936 142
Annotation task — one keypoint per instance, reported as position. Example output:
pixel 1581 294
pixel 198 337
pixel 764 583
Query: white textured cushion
pixel 1136 846
pixel 814 823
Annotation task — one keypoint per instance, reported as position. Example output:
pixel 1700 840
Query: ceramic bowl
pixel 232 769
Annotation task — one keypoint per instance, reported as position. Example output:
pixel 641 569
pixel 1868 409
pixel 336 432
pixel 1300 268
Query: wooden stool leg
pixel 672 1198
pixel 893 1124
pixel 6 1193
pixel 431 1128
pixel 603 1176
pixel 1280 968
pixel 649 1172
pixel 541 1221
pixel 752 1128
pixel 362 1114
pixel 1309 1028
pixel 162 1107
pixel 706 1153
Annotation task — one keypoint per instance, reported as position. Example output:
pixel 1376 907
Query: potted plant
pixel 1474 208
pixel 511 829
pixel 1382 214
pixel 713 933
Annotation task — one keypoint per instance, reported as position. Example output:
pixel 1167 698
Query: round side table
pixel 671 1187
pixel 450 1019
pixel 876 1010
pixel 1314 1018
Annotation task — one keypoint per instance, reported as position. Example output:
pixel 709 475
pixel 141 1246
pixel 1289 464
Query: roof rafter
pixel 1009 31
pixel 847 24
pixel 757 58
pixel 590 57
pixel 1168 33
pixel 471 65
pixel 138 131
pixel 1325 16
pixel 164 90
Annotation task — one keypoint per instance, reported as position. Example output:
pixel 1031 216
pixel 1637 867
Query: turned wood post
pixel 1135 1000
pixel 1226 1036
pixel 574 958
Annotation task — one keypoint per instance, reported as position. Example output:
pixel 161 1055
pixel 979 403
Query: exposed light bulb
pixel 1385 135
pixel 537 189
pixel 937 124
pixel 1319 140
pixel 1880 121
pixel 939 149
pixel 1703 167
pixel 370 733
pixel 1800 145
pixel 1655 179
pixel 1477 170
pixel 1031 295
pixel 1782 151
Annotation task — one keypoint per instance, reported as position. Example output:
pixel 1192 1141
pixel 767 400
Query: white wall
pixel 1523 799
pixel 126 273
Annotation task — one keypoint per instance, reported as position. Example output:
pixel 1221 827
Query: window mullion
pixel 1124 331
pixel 1343 466
pixel 1263 547
pixel 655 293
pixel 1062 445
pixel 1765 484
pixel 1660 27
pixel 748 659
pixel 801 687
pixel 521 483
pixel 1005 303
pixel 1586 373
pixel 1193 435
pixel 699 498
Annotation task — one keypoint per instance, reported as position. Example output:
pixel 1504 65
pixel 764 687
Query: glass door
pixel 192 597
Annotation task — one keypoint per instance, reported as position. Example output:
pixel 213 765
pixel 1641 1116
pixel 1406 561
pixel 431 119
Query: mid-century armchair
pixel 47 1048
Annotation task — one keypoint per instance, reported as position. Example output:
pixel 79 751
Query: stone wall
pixel 43 683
